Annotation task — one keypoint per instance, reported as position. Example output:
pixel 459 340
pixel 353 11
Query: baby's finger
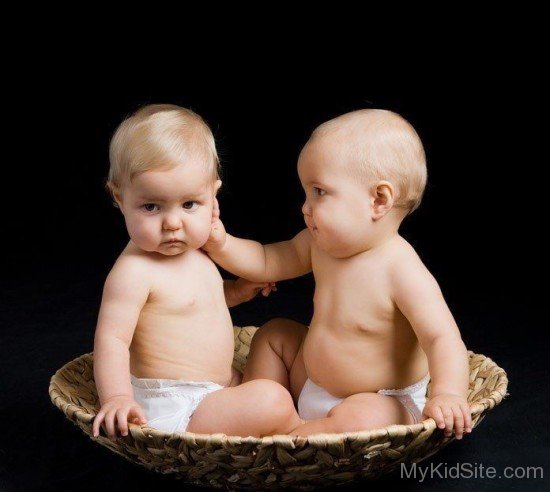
pixel 216 209
pixel 459 422
pixel 437 415
pixel 97 421
pixel 109 424
pixel 122 420
pixel 139 416
pixel 449 420
pixel 266 291
pixel 467 417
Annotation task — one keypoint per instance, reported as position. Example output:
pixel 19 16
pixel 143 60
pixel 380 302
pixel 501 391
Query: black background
pixel 479 230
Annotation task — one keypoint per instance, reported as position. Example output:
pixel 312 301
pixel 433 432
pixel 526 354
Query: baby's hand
pixel 450 412
pixel 246 290
pixel 118 410
pixel 216 240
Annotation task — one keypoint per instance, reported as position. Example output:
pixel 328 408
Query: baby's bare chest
pixel 356 294
pixel 186 287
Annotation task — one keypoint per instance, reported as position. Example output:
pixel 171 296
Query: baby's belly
pixel 196 348
pixel 346 364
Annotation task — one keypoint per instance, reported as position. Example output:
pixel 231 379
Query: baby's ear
pixel 217 186
pixel 117 202
pixel 116 194
pixel 384 197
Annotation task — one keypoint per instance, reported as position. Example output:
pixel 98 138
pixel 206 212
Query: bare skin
pixel 277 354
pixel 380 320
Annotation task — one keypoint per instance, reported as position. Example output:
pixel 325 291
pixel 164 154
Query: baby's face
pixel 338 207
pixel 169 211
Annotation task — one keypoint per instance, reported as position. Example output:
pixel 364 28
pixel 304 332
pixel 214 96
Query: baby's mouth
pixel 310 224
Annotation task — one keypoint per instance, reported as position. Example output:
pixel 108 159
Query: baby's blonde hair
pixel 384 146
pixel 159 136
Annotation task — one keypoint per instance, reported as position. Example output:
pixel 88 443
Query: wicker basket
pixel 222 461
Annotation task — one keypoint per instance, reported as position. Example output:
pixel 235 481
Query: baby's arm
pixel 265 263
pixel 419 298
pixel 256 262
pixel 124 295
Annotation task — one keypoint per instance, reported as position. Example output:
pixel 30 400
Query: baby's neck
pixel 386 231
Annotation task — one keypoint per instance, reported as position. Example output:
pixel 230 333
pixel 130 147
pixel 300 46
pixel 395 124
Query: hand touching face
pixel 169 211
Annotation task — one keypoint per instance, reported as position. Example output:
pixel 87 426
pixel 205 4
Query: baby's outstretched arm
pixel 419 298
pixel 256 262
pixel 124 295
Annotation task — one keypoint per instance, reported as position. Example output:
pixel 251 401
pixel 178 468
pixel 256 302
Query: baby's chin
pixel 168 249
pixel 172 251
pixel 337 249
pixel 175 249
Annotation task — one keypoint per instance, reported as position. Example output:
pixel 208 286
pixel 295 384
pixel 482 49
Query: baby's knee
pixel 273 326
pixel 280 330
pixel 274 399
pixel 275 322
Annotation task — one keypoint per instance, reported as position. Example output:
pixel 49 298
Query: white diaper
pixel 169 403
pixel 315 402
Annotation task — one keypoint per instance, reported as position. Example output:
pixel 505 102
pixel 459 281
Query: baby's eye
pixel 149 207
pixel 190 205
pixel 319 191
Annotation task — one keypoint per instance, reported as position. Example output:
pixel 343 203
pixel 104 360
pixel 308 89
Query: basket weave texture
pixel 221 461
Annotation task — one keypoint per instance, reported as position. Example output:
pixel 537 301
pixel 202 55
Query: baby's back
pixel 358 340
pixel 184 331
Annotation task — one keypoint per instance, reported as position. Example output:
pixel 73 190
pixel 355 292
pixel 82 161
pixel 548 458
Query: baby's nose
pixel 171 222
pixel 306 209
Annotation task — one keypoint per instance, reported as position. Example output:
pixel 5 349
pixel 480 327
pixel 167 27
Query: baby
pixel 381 328
pixel 164 341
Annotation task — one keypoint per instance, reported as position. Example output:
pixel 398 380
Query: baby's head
pixel 363 173
pixel 164 177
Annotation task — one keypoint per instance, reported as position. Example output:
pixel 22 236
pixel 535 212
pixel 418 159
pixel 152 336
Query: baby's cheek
pixel 133 231
pixel 327 222
pixel 201 231
pixel 141 234
pixel 335 229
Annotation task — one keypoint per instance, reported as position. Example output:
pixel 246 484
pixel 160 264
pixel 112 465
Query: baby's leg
pixel 276 354
pixel 362 411
pixel 256 408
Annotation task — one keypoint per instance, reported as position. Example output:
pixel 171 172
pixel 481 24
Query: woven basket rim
pixel 492 399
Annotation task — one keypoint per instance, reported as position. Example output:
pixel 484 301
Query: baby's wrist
pixel 221 246
pixel 215 247
pixel 117 397
pixel 447 393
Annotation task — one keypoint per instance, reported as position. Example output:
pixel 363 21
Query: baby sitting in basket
pixel 164 341
pixel 381 328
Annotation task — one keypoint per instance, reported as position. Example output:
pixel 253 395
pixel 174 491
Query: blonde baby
pixel 381 328
pixel 163 346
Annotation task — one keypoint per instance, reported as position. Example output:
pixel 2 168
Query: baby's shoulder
pixel 132 265
pixel 406 269
pixel 404 259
